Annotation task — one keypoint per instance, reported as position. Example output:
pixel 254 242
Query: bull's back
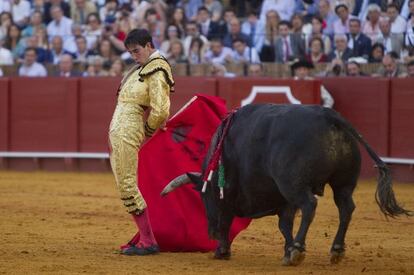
pixel 279 148
pixel 272 128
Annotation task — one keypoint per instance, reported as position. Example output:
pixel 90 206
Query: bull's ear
pixel 196 179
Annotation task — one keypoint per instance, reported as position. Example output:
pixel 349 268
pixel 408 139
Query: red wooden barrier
pixel 260 90
pixel 365 103
pixel 42 118
pixel 4 113
pixel 186 87
pixel 4 118
pixel 97 100
pixel 402 126
pixel 402 116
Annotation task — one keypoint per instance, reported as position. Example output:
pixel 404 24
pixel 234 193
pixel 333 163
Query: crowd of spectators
pixel 88 34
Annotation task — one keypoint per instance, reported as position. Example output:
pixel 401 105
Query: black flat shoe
pixel 141 251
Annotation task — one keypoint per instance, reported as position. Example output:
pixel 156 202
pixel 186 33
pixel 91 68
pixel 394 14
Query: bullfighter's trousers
pixel 126 134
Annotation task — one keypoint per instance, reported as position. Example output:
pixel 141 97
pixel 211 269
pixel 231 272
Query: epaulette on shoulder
pixel 155 65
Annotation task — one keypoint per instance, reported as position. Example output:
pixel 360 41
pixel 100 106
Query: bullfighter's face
pixel 140 54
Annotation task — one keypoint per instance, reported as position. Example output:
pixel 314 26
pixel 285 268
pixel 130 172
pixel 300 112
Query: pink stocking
pixel 145 231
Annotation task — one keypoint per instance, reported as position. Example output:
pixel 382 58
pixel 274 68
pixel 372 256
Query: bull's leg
pixel 344 202
pixel 286 218
pixel 307 204
pixel 223 251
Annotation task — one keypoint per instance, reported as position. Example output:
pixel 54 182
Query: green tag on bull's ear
pixel 221 180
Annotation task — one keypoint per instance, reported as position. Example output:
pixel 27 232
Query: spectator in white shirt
pixel 109 9
pixel 409 36
pixel 49 4
pixel 398 23
pixel 405 9
pixel 371 26
pixel 192 33
pixel 190 7
pixel 82 53
pixel 93 30
pixel 1 72
pixel 250 26
pixel 392 42
pixel 215 8
pixel 60 25
pixel 218 53
pixel 21 11
pixel 410 16
pixel 341 51
pixel 284 8
pixel 244 54
pixel 341 25
pixel 327 15
pixel 5 6
pixel 6 57
pixel 80 9
pixel 57 49
pixel 30 67
pixel 70 43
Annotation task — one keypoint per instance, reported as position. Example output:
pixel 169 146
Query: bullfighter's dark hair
pixel 138 37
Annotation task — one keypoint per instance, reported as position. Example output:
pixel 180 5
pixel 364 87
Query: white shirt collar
pixel 154 54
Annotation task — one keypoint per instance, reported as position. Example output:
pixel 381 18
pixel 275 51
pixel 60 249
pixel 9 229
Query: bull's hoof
pixel 296 257
pixel 286 261
pixel 337 256
pixel 337 253
pixel 222 255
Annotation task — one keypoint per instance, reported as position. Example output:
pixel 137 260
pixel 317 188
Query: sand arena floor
pixel 69 223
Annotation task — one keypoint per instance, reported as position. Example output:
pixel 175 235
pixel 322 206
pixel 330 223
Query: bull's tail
pixel 384 195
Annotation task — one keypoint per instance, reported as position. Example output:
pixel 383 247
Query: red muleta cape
pixel 178 220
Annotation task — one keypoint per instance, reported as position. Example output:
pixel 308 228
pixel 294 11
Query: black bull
pixel 276 159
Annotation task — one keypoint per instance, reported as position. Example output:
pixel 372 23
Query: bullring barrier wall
pixel 73 115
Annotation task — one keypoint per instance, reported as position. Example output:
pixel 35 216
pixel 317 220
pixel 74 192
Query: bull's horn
pixel 177 182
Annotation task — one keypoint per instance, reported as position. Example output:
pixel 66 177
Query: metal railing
pixel 98 155
pixel 269 69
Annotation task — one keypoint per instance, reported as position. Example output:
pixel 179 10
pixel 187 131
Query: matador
pixel 146 86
